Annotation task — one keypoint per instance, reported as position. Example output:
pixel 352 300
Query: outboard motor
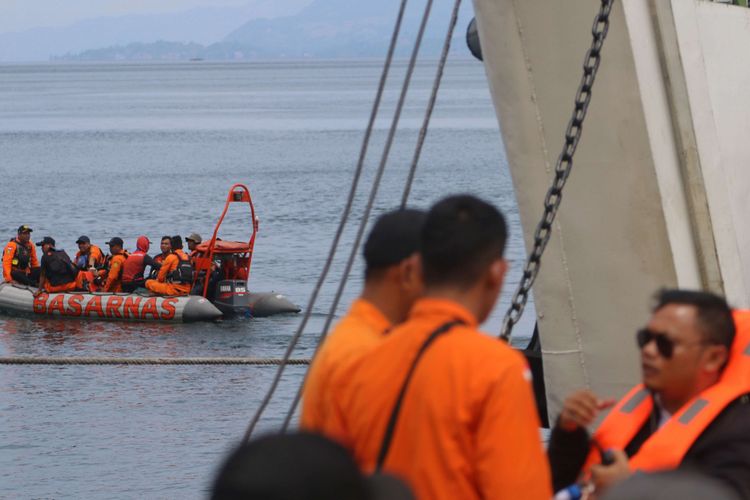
pixel 231 298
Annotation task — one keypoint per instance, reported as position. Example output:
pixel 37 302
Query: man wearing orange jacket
pixel 88 256
pixel 115 265
pixel 438 403
pixel 392 284
pixel 691 411
pixel 20 263
pixel 175 274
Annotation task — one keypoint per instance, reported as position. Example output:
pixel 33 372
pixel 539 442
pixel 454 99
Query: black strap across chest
pixel 393 420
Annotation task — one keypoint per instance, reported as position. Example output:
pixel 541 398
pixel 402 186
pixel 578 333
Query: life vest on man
pixel 134 266
pixel 94 256
pixel 58 268
pixel 184 271
pixel 22 257
pixel 666 448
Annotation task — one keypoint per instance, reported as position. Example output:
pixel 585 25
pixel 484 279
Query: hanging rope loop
pixel 563 168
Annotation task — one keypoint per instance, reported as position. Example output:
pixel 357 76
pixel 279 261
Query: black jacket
pixel 722 451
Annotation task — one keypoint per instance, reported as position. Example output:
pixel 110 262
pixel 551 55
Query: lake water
pixel 127 149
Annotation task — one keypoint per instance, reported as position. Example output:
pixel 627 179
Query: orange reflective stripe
pixel 666 447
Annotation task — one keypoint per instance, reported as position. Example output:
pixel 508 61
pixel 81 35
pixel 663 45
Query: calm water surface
pixel 128 149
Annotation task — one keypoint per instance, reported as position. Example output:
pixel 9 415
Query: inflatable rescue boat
pixel 220 284
pixel 15 299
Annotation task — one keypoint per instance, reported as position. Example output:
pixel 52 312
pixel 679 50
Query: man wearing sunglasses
pixel 690 411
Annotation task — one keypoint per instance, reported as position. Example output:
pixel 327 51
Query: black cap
pixel 24 229
pixel 394 237
pixel 116 241
pixel 46 240
pixel 83 239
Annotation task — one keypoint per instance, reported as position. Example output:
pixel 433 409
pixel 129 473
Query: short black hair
pixel 176 242
pixel 394 237
pixel 292 466
pixel 167 238
pixel 461 237
pixel 712 312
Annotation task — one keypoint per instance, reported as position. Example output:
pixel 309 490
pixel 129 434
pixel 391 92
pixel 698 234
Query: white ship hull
pixel 659 189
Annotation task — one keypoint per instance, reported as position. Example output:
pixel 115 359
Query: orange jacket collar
pixel 375 317
pixel 435 307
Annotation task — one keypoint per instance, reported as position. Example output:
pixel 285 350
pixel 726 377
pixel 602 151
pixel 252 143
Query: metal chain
pixel 563 168
pixel 25 360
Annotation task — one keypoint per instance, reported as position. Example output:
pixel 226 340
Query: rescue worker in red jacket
pixel 175 275
pixel 691 411
pixel 20 263
pixel 89 257
pixel 58 274
pixel 133 270
pixel 114 265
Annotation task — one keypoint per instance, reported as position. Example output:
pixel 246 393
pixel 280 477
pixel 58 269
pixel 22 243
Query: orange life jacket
pixel 666 448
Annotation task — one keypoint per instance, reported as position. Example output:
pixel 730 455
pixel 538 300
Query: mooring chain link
pixel 563 168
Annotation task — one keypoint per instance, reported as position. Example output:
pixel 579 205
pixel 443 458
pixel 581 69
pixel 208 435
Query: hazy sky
pixel 20 15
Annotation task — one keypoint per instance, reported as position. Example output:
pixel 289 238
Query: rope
pixel 149 361
pixel 431 103
pixel 371 200
pixel 342 223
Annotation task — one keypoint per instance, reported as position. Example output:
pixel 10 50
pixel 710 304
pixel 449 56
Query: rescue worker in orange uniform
pixel 175 274
pixel 691 411
pixel 165 245
pixel 58 274
pixel 89 257
pixel 166 248
pixel 392 284
pixel 115 265
pixel 467 426
pixel 20 263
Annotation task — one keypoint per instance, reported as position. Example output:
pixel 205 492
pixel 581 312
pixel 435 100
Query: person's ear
pixel 497 271
pixel 715 357
pixel 410 272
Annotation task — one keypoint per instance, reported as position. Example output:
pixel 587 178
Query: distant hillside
pixel 323 29
pixel 199 26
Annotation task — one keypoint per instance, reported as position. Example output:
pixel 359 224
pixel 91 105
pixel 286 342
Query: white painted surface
pixel 714 41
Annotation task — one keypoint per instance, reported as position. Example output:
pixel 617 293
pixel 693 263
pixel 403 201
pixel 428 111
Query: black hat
pixel 83 239
pixel 116 241
pixel 46 240
pixel 24 229
pixel 394 237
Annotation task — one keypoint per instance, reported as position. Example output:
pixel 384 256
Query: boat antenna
pixel 563 167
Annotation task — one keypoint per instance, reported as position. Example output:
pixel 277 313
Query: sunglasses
pixel 664 344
